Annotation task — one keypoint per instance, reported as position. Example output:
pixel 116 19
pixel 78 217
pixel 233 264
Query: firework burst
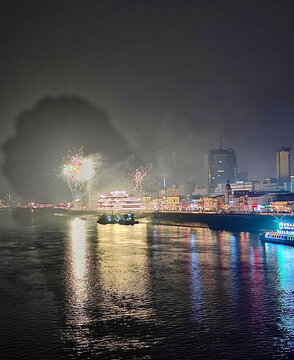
pixel 136 180
pixel 78 170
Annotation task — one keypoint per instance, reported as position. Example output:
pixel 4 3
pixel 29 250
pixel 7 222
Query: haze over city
pixel 146 179
pixel 160 81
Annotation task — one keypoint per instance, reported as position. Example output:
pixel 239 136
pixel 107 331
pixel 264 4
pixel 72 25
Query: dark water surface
pixel 73 289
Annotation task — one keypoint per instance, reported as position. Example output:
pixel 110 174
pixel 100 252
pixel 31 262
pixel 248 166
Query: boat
pixel 122 219
pixel 127 219
pixel 105 219
pixel 284 234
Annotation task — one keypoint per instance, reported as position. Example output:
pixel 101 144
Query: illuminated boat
pixel 122 219
pixel 105 219
pixel 127 219
pixel 284 234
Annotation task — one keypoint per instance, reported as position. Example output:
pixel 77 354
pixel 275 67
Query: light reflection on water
pixel 285 277
pixel 77 258
pixel 77 291
pixel 111 277
pixel 145 291
pixel 124 262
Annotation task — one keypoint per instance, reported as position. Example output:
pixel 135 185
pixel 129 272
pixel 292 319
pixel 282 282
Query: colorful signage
pixel 286 226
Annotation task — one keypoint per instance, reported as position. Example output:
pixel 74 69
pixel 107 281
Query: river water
pixel 75 289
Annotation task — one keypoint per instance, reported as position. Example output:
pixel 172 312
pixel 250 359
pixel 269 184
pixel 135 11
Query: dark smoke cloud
pixel 45 134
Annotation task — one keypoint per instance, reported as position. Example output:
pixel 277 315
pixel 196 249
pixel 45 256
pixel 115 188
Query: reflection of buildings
pixel 176 282
pixel 119 201
pixel 124 272
pixel 196 281
pixel 78 237
pixel 107 283
pixel 280 258
pixel 157 282
pixel 231 274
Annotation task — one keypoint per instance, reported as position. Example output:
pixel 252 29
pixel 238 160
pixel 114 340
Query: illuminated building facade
pixel 220 166
pixel 243 185
pixel 172 202
pixel 283 165
pixel 119 201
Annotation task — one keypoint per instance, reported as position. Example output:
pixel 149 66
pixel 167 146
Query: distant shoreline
pixel 229 222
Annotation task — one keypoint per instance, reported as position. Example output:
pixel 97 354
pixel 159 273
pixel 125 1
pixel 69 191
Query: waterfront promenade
pixel 254 222
pixel 231 222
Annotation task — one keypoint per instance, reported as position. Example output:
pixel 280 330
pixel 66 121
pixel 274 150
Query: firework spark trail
pixel 78 170
pixel 136 181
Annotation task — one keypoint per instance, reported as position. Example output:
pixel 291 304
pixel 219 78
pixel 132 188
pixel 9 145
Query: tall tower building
pixel 283 165
pixel 220 167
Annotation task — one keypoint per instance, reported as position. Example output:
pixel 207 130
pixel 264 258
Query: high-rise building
pixel 242 176
pixel 164 183
pixel 283 165
pixel 220 167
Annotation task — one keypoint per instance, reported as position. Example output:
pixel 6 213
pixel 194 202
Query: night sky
pixel 170 76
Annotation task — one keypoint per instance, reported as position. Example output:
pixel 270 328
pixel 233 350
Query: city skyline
pixel 171 78
pixel 146 185
pixel 220 167
pixel 79 173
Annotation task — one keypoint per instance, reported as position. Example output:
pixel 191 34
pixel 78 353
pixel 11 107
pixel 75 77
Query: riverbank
pixel 229 222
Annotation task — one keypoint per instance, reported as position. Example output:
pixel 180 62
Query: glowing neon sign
pixel 286 226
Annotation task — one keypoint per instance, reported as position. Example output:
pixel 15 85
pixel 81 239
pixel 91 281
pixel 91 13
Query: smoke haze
pixel 172 76
pixel 43 138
